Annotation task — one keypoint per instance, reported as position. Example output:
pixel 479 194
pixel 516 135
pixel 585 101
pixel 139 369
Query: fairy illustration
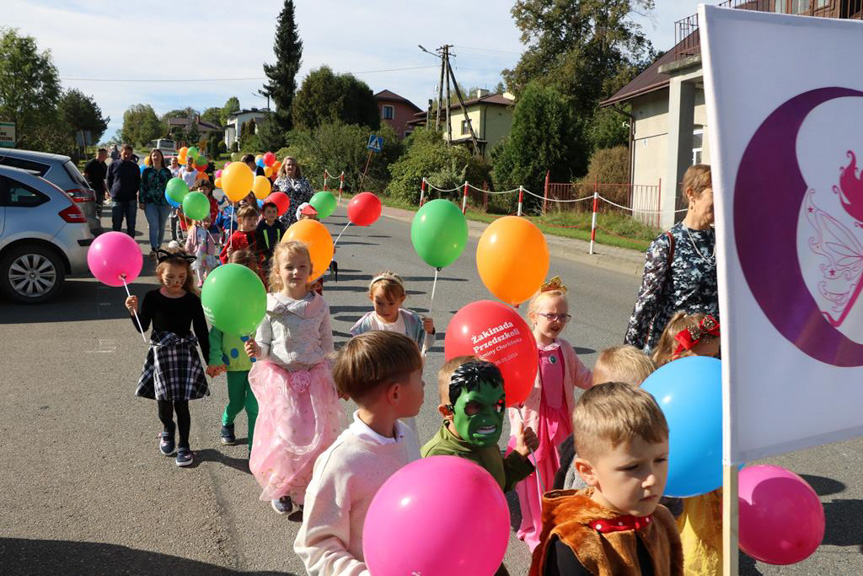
pixel 842 269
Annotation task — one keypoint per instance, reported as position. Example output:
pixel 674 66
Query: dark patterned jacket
pixel 690 286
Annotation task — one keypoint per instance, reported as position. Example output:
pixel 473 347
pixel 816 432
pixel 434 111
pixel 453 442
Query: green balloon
pixel 200 161
pixel 439 233
pixel 234 299
pixel 324 202
pixel 192 152
pixel 196 206
pixel 177 190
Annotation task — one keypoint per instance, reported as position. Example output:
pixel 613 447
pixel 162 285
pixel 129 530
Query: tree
pixel 231 106
pixel 213 116
pixel 187 112
pixel 140 125
pixel 327 97
pixel 29 85
pixel 248 138
pixel 608 128
pixel 282 75
pixel 80 112
pixel 270 134
pixel 544 137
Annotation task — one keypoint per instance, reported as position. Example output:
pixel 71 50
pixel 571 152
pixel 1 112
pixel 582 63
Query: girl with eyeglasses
pixel 548 407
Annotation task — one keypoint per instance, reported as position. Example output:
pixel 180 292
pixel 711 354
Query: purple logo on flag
pixel 798 225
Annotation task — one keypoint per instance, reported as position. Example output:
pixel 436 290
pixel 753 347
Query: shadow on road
pixel 49 557
pixel 210 455
pixel 824 486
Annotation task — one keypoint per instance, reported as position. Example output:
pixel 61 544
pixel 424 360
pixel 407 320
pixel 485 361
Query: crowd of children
pixel 589 472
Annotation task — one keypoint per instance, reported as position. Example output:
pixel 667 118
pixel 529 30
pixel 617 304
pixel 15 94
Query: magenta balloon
pixel 781 516
pixel 438 515
pixel 113 255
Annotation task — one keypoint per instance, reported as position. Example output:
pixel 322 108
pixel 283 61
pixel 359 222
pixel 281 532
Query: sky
pixel 205 52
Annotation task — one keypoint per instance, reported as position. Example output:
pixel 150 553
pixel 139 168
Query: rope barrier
pixel 606 200
pixel 556 200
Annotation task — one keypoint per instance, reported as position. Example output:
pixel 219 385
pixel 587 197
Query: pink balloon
pixel 364 209
pixel 438 515
pixel 218 174
pixel 113 255
pixel 781 516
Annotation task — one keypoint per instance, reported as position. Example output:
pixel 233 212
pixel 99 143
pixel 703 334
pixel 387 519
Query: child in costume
pixel 387 293
pixel 172 373
pixel 382 373
pixel 472 404
pixel 548 407
pixel 700 523
pixel 227 355
pixel 299 413
pixel 616 526
pixel 204 247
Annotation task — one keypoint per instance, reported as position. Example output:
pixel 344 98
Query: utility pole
pixel 440 95
pixel 445 59
pixel 447 75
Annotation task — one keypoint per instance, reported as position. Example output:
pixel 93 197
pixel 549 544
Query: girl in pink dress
pixel 299 413
pixel 548 408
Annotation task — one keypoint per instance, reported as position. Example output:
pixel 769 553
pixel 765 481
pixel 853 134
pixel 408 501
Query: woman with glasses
pixel 290 181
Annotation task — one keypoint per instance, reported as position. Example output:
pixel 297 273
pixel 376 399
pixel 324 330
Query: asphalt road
pixel 85 490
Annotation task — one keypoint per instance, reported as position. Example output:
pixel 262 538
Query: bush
pixel 609 166
pixel 427 155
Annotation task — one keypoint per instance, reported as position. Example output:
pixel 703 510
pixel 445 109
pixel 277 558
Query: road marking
pixel 106 346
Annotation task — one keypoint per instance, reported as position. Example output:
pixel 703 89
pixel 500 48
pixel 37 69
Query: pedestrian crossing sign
pixel 376 143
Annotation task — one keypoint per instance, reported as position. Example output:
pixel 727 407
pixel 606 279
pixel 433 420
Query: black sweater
pixel 124 180
pixel 175 315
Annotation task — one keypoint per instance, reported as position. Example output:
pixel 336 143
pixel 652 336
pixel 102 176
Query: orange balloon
pixel 512 259
pixel 183 151
pixel 268 171
pixel 201 175
pixel 237 180
pixel 146 160
pixel 276 166
pixel 261 187
pixel 316 236
pixel 217 183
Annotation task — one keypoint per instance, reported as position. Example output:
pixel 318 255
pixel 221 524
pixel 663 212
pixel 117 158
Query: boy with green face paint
pixel 473 403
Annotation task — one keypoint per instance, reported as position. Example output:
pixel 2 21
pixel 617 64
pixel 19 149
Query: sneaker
pixel 184 457
pixel 282 505
pixel 166 443
pixel 228 437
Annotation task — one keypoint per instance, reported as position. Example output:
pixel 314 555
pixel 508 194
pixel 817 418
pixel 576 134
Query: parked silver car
pixel 60 171
pixel 44 236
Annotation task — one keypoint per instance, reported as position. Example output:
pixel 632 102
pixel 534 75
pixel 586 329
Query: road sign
pixel 7 134
pixel 376 143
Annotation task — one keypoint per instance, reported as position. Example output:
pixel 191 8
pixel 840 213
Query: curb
pixel 574 250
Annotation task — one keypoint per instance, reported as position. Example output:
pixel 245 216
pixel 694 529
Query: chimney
pixel 481 92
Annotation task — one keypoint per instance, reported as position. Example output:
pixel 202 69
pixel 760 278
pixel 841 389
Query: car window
pixel 75 175
pixel 17 195
pixel 23 164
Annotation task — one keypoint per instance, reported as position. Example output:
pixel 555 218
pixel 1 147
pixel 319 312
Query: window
pixel 25 164
pixel 697 144
pixel 465 127
pixel 16 194
pixel 388 112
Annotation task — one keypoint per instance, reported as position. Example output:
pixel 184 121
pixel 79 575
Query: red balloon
pixel 364 209
pixel 269 158
pixel 281 200
pixel 495 332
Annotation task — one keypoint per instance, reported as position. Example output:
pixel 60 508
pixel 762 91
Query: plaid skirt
pixel 173 369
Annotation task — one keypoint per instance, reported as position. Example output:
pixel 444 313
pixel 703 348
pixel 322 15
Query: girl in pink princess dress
pixel 548 408
pixel 299 413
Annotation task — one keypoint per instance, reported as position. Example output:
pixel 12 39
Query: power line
pixel 487 50
pixel 138 80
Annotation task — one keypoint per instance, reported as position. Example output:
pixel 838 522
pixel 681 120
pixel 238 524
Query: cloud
pixel 223 39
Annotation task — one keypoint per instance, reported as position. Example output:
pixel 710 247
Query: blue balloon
pixel 171 201
pixel 260 162
pixel 689 391
pixel 261 204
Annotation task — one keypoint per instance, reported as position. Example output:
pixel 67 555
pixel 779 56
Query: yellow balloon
pixel 261 187
pixel 316 236
pixel 512 259
pixel 218 183
pixel 146 160
pixel 237 180
pixel 268 171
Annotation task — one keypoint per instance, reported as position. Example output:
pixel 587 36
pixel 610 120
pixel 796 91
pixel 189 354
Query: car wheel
pixel 31 274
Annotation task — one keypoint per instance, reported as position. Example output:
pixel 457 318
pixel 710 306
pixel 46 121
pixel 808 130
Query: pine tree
pixel 282 75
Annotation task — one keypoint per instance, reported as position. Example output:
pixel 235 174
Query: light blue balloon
pixel 171 201
pixel 689 391
pixel 260 204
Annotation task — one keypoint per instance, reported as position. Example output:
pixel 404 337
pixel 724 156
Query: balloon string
pixel 231 229
pixel 135 312
pixel 540 485
pixel 434 286
pixel 336 243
